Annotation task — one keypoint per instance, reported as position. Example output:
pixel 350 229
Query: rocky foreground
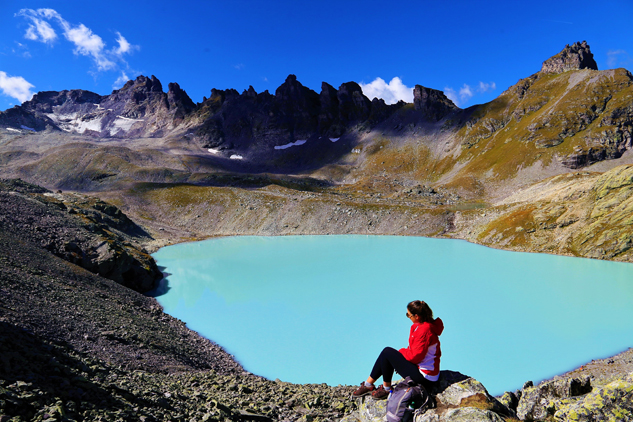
pixel 76 345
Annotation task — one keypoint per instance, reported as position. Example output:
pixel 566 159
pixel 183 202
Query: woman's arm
pixel 419 342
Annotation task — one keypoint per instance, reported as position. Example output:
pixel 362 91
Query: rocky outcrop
pixel 612 402
pixel 179 101
pixel 457 398
pixel 460 398
pixel 433 104
pixel 575 57
pixel 354 106
pixel 614 138
pixel 536 401
pixel 84 231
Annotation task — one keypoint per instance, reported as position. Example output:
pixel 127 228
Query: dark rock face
pixel 295 112
pixel 610 143
pixel 18 117
pixel 575 57
pixel 329 109
pixel 353 105
pixel 432 103
pixel 298 108
pixel 137 99
pixel 43 102
pixel 179 101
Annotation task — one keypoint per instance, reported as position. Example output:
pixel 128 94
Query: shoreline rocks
pixel 461 398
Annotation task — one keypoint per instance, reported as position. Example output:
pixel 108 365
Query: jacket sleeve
pixel 419 343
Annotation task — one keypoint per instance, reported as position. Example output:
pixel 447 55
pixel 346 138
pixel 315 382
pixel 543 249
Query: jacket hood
pixel 437 326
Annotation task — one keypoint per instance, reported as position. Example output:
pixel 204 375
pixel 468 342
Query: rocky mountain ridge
pixel 278 154
pixel 263 132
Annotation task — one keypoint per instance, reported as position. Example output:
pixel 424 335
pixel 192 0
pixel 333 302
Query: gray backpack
pixel 405 399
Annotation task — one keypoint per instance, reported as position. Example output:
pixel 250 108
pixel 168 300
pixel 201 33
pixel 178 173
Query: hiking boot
pixel 363 390
pixel 380 393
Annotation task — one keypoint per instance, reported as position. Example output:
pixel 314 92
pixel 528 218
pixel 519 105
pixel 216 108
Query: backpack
pixel 404 399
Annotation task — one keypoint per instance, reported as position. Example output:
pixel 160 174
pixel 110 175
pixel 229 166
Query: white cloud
pixel 16 87
pixel 466 92
pixel 124 46
pixel 484 87
pixel 120 81
pixel 40 30
pixel 89 44
pixel 451 95
pixel 391 92
pixel 616 58
pixel 86 42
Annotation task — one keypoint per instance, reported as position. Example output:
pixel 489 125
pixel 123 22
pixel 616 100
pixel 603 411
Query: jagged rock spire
pixel 432 103
pixel 575 57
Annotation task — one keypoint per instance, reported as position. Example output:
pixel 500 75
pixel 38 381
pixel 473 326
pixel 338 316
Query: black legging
pixel 389 360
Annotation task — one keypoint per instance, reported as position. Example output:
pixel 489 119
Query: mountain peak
pixel 575 57
pixel 432 103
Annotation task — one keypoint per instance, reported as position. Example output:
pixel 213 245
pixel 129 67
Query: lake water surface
pixel 319 309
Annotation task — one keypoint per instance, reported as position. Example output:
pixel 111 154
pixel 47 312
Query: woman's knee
pixel 388 351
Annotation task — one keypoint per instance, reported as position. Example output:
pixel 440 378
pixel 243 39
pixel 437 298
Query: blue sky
pixel 472 50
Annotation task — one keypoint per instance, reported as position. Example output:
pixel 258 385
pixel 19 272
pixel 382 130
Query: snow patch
pixel 123 124
pixel 74 121
pixel 236 157
pixel 214 150
pixel 334 139
pixel 299 142
pixel 27 128
pixel 14 130
pixel 129 118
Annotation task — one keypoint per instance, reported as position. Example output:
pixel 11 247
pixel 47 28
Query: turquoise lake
pixel 319 309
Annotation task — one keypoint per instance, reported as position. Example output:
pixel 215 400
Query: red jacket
pixel 424 347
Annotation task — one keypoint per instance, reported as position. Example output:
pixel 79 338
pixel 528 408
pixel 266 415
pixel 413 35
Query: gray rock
pixel 510 400
pixel 575 57
pixel 458 398
pixel 468 414
pixel 455 393
pixel 612 402
pixel 535 402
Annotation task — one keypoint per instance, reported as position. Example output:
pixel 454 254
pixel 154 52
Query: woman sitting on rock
pixel 420 361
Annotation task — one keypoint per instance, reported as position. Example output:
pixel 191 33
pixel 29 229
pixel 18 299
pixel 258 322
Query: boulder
pixel 536 402
pixel 369 410
pixel 470 393
pixel 613 402
pixel 510 400
pixel 461 414
pixel 457 396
